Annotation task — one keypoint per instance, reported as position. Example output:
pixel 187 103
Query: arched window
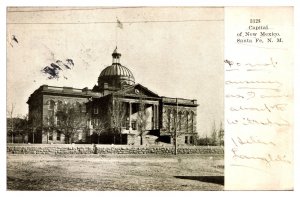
pixel 187 121
pixel 59 105
pixel 174 120
pixel 169 114
pixel 51 104
pixel 78 107
pixel 83 108
pixel 179 120
pixel 192 121
pixel 59 108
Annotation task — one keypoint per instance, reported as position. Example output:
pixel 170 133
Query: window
pixel 58 135
pixel 127 125
pixel 58 122
pixel 51 135
pixel 192 118
pixel 83 108
pixel 50 119
pixel 179 122
pixel 95 110
pixel 191 139
pixel 174 119
pixel 133 125
pixel 59 105
pixel 51 105
pixel 187 121
pixel 169 120
pixel 80 135
pixel 97 122
pixel 78 107
pixel 186 139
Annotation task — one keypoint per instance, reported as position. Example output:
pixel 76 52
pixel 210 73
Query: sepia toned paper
pixel 237 62
pixel 173 52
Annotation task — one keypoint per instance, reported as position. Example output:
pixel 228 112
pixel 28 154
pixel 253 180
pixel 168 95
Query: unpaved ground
pixel 115 172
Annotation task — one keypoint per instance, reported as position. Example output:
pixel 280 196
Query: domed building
pixel 115 111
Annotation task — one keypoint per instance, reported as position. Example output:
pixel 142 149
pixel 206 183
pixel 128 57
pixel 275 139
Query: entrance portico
pixel 151 107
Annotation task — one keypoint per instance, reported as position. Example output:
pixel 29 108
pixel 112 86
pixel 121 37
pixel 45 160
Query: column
pixel 153 117
pixel 157 117
pixel 130 111
pixel 192 122
pixel 54 112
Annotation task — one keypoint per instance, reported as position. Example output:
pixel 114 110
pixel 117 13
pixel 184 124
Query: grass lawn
pixel 115 172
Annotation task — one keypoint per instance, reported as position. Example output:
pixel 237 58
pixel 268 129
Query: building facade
pixel 115 111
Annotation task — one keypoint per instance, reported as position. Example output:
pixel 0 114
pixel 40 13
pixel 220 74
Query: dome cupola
pixel 116 75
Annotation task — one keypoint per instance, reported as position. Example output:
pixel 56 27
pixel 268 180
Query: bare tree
pixel 49 125
pixel 18 126
pixel 217 135
pixel 11 131
pixel 221 135
pixel 214 135
pixel 71 120
pixel 24 127
pixel 99 126
pixel 34 123
pixel 142 119
pixel 117 112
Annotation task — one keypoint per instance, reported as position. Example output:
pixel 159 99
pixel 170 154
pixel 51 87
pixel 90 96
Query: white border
pixel 221 3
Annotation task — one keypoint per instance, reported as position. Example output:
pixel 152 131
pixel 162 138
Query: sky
pixel 175 52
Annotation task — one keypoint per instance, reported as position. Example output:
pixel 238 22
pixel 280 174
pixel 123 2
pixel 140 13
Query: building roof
pixel 63 91
pixel 117 69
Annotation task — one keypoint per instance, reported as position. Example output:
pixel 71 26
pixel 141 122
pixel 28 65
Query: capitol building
pixel 124 111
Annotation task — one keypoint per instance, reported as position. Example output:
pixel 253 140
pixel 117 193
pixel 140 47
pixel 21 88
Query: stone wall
pixel 108 149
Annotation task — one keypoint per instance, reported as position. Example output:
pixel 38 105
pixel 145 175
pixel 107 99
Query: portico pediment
pixel 137 90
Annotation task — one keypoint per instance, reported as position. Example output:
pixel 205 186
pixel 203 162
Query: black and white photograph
pixel 107 97
pixel 115 98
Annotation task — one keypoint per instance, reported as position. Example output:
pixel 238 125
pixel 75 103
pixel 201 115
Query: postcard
pixel 149 98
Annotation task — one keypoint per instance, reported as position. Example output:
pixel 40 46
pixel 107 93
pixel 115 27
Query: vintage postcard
pixel 149 98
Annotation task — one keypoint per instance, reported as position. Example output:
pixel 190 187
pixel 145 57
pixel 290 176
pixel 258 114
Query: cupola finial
pixel 116 56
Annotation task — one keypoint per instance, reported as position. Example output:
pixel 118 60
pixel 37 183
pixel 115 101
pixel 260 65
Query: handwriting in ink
pixel 267 158
pixel 250 141
pixel 264 108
